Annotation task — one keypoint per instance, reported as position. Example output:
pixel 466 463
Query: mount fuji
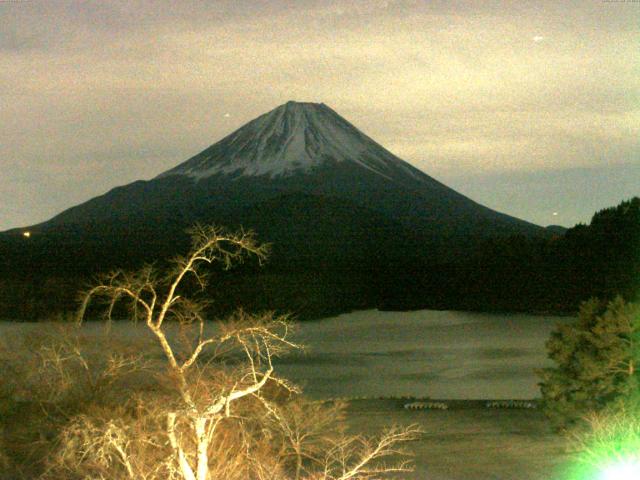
pixel 304 178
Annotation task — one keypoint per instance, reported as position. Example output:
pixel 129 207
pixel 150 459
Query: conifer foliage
pixel 596 361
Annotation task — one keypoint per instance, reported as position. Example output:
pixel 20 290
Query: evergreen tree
pixel 596 361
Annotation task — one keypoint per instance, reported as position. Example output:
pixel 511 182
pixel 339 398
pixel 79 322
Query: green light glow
pixel 626 470
pixel 609 448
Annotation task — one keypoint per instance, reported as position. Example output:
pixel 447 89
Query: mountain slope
pixel 302 176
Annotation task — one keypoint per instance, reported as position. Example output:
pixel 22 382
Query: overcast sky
pixel 529 107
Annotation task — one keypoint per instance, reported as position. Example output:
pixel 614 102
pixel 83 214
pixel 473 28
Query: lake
pixel 440 354
pixel 426 353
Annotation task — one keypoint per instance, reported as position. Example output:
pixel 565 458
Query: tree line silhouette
pixel 515 273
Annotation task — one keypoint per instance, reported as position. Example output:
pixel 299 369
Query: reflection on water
pixel 440 354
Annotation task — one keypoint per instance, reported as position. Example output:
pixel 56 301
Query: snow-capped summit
pixel 293 138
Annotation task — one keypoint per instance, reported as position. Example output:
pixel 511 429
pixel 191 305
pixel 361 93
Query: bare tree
pixel 304 428
pixel 228 402
pixel 314 435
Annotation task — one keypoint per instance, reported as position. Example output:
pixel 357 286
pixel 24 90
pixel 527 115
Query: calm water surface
pixel 441 354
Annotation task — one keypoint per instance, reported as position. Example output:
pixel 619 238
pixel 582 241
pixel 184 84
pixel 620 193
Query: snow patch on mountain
pixel 293 138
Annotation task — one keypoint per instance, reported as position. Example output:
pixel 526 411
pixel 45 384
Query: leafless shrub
pixel 65 367
pixel 48 377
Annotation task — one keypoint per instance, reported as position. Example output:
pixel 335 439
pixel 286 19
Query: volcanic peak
pixel 295 137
